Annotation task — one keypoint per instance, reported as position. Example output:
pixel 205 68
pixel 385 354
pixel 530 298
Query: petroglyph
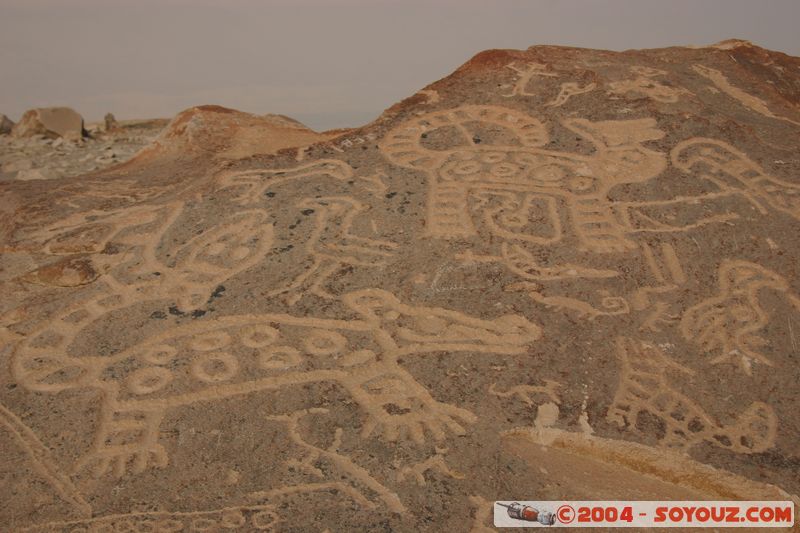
pixel 119 192
pixel 518 167
pixel 674 274
pixel 523 264
pixel 568 90
pixel 516 190
pixel 525 75
pixel 42 462
pixel 375 183
pixel 660 315
pixel 236 355
pixel 668 275
pixel 727 325
pixel 608 305
pixel 512 216
pixel 356 474
pixel 659 216
pixel 746 99
pixel 344 489
pixel 525 393
pixel 91 232
pixel 644 388
pixel 248 187
pixel 332 246
pixel 349 142
pixel 736 174
pixel 643 85
pixel 129 254
pixel 249 518
pixel 448 278
pixel 434 463
pixel 136 272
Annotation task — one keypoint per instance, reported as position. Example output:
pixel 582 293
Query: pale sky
pixel 334 63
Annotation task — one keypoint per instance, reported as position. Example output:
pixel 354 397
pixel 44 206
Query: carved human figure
pixel 523 175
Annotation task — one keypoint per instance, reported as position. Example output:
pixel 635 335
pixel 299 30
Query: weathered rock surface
pixel 6 124
pixel 51 122
pixel 555 274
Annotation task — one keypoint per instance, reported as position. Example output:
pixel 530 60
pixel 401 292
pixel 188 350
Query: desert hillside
pixel 556 273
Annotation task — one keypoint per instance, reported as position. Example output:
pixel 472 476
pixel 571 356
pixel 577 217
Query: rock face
pixel 51 122
pixel 6 124
pixel 555 274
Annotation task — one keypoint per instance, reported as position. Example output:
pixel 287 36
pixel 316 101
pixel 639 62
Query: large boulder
pixel 52 122
pixel 6 124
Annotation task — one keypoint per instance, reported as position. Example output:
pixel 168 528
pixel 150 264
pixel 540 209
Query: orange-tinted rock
pixel 223 133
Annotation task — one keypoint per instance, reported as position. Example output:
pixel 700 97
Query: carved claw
pixel 437 419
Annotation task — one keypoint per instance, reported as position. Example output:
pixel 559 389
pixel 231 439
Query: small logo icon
pixel 565 514
pixel 527 513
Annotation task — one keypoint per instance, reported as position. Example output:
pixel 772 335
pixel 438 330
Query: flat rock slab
pixel 556 273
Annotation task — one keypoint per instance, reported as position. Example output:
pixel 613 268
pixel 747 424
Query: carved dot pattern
pixel 215 367
pixel 321 342
pixel 148 380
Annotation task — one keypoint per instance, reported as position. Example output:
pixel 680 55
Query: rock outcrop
pixel 6 124
pixel 223 133
pixel 557 273
pixel 51 122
